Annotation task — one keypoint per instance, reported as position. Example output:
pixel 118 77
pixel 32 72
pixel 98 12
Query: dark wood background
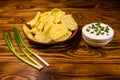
pixel 71 60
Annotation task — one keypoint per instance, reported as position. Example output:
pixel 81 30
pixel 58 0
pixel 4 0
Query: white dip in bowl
pixel 97 34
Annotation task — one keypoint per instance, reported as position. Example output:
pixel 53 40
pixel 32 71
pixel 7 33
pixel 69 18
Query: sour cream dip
pixel 97 34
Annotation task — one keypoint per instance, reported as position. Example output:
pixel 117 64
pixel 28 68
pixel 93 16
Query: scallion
pixel 12 49
pixel 22 49
pixel 17 33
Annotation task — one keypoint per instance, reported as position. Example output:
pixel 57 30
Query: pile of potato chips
pixel 49 26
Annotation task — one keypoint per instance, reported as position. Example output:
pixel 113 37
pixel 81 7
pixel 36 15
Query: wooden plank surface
pixel 71 60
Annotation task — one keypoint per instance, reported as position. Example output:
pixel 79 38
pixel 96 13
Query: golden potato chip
pixel 43 19
pixel 40 27
pixel 50 19
pixel 27 31
pixel 41 37
pixel 37 23
pixel 34 21
pixel 58 16
pixel 34 30
pixel 69 22
pixel 54 11
pixel 45 13
pixel 47 28
pixel 57 31
pixel 66 36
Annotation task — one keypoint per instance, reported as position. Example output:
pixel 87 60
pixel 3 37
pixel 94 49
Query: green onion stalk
pixel 12 49
pixel 18 36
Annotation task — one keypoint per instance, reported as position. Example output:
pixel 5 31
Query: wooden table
pixel 72 60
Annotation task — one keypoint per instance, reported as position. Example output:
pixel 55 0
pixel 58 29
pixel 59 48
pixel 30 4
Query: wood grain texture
pixel 71 60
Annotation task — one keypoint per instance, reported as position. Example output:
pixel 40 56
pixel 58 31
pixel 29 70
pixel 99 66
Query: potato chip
pixel 45 13
pixel 27 31
pixel 57 31
pixel 50 19
pixel 58 14
pixel 41 37
pixel 34 30
pixel 47 28
pixel 40 27
pixel 43 19
pixel 34 21
pixel 69 22
pixel 66 36
pixel 54 11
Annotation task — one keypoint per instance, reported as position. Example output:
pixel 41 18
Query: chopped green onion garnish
pixel 106 29
pixel 91 32
pixel 90 27
pixel 98 34
pixel 97 29
pixel 93 26
pixel 102 33
pixel 87 30
pixel 102 28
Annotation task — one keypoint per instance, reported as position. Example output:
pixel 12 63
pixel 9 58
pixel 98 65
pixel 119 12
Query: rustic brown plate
pixel 26 29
